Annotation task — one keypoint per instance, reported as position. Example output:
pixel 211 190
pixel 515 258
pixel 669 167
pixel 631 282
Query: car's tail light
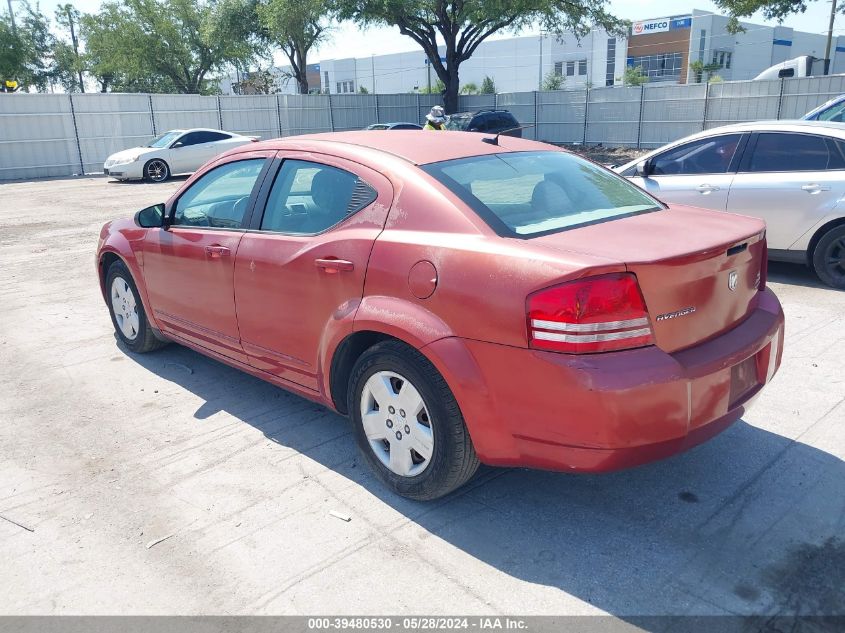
pixel 764 265
pixel 595 314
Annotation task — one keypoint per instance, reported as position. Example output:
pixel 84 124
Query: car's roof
pixel 199 129
pixel 414 146
pixel 479 111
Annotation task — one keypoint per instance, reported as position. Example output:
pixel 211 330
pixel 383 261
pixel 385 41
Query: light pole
pixel 540 65
pixel 829 37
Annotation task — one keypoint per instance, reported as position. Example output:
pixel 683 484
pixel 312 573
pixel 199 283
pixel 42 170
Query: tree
pixel 362 90
pixel 25 50
pixel 634 76
pixel 296 26
pixel 488 86
pixel 462 25
pixel 553 81
pixel 436 88
pixel 169 45
pixel 469 89
pixel 701 71
pixel 772 10
pixel 68 64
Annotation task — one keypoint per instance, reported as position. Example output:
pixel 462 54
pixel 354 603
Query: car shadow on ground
pixel 180 178
pixel 749 523
pixel 794 274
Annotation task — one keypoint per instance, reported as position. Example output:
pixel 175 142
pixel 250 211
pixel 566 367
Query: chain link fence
pixel 62 135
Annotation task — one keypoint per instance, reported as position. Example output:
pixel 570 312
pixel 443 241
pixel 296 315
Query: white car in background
pixel 789 173
pixel 174 152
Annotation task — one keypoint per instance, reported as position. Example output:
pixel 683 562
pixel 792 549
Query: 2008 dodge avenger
pixel 462 298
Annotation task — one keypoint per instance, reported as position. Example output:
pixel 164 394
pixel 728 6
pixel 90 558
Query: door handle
pixel 332 265
pixel 217 252
pixel 814 188
pixel 705 189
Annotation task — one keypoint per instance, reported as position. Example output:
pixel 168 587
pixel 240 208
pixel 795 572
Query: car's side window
pixel 711 155
pixel 835 113
pixel 211 137
pixel 191 138
pixel 219 199
pixel 309 198
pixel 777 152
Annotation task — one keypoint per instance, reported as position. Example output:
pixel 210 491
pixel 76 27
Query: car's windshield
pixel 164 140
pixel 531 193
pixel 458 122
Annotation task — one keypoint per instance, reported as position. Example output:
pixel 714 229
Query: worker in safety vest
pixel 436 119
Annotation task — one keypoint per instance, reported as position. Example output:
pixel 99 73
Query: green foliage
pixel 553 81
pixel 25 51
pixel 68 64
pixel 488 86
pixel 296 26
pixel 702 71
pixel 469 88
pixel 436 88
pixel 634 76
pixel 771 9
pixel 169 45
pixel 363 90
pixel 715 79
pixel 462 26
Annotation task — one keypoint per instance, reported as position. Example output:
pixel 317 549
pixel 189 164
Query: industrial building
pixel 663 47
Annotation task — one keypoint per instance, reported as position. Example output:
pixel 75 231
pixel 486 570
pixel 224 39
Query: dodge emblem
pixel 733 278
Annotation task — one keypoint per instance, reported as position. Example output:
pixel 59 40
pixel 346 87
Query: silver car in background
pixel 789 173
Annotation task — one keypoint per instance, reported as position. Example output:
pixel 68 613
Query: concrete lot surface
pixel 103 453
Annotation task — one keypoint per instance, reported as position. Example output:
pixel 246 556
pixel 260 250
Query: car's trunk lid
pixel 698 270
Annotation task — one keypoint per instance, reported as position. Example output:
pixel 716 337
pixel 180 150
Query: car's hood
pixel 131 152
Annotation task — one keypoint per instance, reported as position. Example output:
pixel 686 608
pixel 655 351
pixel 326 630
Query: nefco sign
pixel 652 26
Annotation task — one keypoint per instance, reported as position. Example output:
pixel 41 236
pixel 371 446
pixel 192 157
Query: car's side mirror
pixel 178 144
pixel 474 129
pixel 644 168
pixel 151 217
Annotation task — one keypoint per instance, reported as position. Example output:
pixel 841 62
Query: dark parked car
pixel 394 126
pixel 491 121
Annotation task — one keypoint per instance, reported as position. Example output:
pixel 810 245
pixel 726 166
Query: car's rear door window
pixel 785 152
pixel 220 198
pixel 532 193
pixel 308 198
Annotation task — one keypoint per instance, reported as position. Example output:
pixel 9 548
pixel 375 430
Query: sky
pixel 348 41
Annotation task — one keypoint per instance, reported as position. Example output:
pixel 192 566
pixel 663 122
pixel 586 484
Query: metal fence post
pixel 706 105
pixel 152 115
pixel 536 118
pixel 780 98
pixel 331 114
pixel 640 117
pixel 586 112
pixel 418 108
pixel 219 113
pixel 495 100
pixel 76 134
pixel 279 114
pixel 378 116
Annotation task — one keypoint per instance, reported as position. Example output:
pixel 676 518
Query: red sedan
pixel 463 299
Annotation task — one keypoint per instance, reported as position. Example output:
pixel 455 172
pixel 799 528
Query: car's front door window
pixel 219 199
pixel 711 155
pixel 777 152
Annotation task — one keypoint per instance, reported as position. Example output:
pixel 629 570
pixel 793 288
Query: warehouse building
pixel 663 47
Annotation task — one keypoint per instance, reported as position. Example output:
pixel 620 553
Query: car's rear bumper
pixel 602 412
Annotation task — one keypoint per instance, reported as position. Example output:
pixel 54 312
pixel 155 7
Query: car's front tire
pixel 407 423
pixel 829 257
pixel 156 170
pixel 127 312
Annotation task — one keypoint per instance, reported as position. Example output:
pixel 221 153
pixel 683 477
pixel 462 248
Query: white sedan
pixel 174 152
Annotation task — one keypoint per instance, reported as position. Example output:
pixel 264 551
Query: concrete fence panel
pixel 561 115
pixel 670 113
pixel 109 123
pixel 353 112
pixel 37 137
pixel 523 106
pixel 253 115
pixel 174 112
pixel 613 115
pixel 803 94
pixel 741 101
pixel 400 108
pixel 304 114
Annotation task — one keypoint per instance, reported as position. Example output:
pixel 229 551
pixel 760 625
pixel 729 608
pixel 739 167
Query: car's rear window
pixel 523 194
pixel 459 122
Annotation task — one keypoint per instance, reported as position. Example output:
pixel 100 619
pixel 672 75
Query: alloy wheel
pixel 397 423
pixel 834 259
pixel 157 170
pixel 125 308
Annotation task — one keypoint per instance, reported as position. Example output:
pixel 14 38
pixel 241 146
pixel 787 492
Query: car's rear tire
pixel 829 257
pixel 127 312
pixel 407 423
pixel 156 170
